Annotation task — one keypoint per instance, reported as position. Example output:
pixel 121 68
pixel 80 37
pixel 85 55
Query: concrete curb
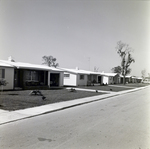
pixel 8 117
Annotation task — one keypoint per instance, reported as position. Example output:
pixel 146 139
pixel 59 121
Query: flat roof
pixel 20 65
pixel 5 65
pixel 109 74
pixel 79 71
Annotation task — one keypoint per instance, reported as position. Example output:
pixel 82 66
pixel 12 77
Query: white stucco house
pixel 135 79
pixel 130 79
pixel 108 78
pixel 29 76
pixel 78 77
pixel 145 80
pixel 139 79
pixel 7 73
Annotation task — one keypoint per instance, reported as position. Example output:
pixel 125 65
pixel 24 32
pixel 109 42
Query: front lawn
pixel 106 88
pixel 136 84
pixel 115 87
pixel 15 100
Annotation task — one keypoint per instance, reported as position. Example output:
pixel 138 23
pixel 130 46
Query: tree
pixel 50 61
pixel 143 72
pixel 124 52
pixel 3 83
pixel 96 69
pixel 116 69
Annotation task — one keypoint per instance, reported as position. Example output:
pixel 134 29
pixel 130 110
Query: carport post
pixel 49 78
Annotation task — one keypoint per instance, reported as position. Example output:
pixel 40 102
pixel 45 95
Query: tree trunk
pixel 124 82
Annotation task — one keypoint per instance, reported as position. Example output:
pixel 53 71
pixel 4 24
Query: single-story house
pixel 139 79
pixel 146 80
pixel 7 73
pixel 29 76
pixel 108 78
pixel 77 77
pixel 135 79
pixel 131 79
pixel 128 79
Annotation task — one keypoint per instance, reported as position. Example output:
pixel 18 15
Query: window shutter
pixel 3 73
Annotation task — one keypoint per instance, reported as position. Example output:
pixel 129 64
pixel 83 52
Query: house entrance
pixel 89 78
pixel 18 78
pixel 54 79
pixel 99 79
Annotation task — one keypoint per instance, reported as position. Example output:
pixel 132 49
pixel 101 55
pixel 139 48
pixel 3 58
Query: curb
pixel 71 104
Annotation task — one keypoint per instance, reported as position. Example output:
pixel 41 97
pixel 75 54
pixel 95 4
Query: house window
pixel 2 73
pixel 81 77
pixel 110 78
pixel 66 75
pixel 32 75
pixel 32 78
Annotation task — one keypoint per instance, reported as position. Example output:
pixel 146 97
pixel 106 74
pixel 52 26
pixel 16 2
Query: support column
pixel 49 78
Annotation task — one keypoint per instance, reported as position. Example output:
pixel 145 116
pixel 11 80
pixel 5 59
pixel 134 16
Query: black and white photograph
pixel 75 74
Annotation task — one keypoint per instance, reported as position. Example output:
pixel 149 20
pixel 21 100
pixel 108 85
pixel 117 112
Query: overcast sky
pixel 81 33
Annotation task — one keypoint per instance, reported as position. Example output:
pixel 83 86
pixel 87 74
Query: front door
pixel 18 78
pixel 99 79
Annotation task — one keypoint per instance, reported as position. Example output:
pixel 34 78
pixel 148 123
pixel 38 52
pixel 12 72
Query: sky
pixel 78 33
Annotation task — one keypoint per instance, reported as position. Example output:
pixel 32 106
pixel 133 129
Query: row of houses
pixel 30 76
pixel 77 77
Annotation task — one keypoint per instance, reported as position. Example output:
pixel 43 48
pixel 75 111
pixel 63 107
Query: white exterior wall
pixel 61 79
pixel 71 80
pixel 9 77
pixel 82 81
pixel 105 79
pixel 119 80
pixel 110 80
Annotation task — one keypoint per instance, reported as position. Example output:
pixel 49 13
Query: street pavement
pixel 119 122
pixel 12 116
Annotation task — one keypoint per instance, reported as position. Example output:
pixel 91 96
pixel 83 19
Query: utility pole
pixel 89 62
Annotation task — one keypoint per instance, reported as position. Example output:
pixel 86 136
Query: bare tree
pixel 124 52
pixel 143 72
pixel 50 61
pixel 96 69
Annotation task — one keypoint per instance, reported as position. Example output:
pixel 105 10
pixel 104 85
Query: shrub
pixel 3 82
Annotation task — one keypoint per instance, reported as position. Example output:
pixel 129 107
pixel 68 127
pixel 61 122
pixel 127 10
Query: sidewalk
pixel 7 117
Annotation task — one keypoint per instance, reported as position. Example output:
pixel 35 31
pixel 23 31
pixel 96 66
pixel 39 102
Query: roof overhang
pixel 19 65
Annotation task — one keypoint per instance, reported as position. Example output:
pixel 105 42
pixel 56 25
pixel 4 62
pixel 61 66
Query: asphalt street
pixel 121 122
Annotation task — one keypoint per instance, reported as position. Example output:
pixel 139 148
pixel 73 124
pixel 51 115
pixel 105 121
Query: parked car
pixel 147 81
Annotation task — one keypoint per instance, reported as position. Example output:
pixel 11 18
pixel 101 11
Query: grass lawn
pixel 115 88
pixel 106 88
pixel 136 84
pixel 15 100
